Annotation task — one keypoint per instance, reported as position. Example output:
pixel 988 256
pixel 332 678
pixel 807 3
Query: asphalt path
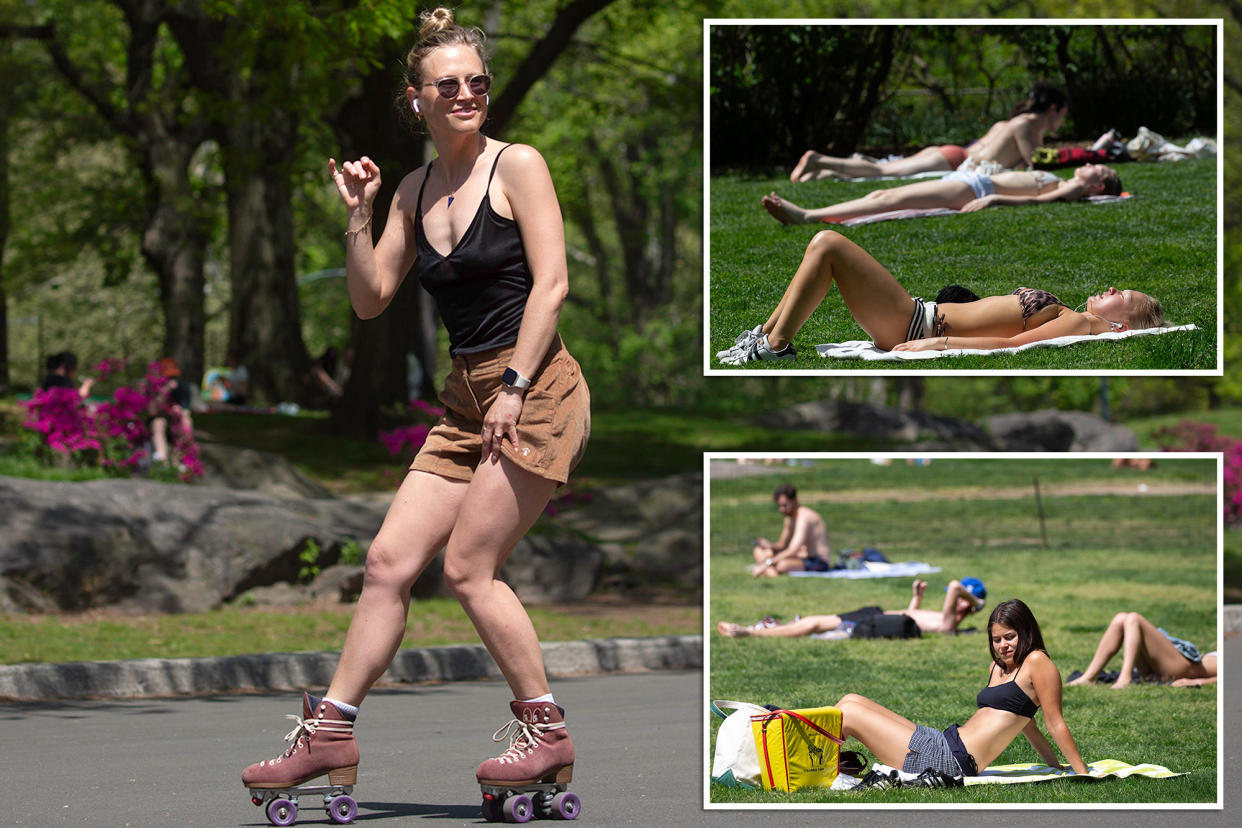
pixel 639 738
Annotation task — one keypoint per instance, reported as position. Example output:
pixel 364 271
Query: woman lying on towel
pixel 1156 654
pixel 961 190
pixel 961 598
pixel 1021 680
pixel 896 321
pixel 1009 143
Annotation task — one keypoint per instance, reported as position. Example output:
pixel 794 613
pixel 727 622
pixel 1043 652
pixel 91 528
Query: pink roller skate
pixel 529 779
pixel 323 743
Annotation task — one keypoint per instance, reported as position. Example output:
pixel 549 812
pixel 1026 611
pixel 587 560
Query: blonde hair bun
pixel 434 21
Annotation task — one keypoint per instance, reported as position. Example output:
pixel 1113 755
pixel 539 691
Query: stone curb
pixel 1231 619
pixel 296 671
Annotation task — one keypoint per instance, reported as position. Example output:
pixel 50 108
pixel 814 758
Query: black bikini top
pixel 1007 696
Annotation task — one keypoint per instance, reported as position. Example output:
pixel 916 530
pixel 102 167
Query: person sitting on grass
pixel 897 321
pixel 803 544
pixel 1009 143
pixel 962 190
pixel 961 598
pixel 1156 655
pixel 1022 679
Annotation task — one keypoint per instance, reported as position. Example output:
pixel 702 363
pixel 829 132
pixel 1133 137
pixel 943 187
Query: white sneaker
pixel 760 349
pixel 742 341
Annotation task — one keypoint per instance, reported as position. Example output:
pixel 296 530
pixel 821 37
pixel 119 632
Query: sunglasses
pixel 479 85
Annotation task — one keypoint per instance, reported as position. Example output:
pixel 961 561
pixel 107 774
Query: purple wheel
pixel 566 805
pixel 282 812
pixel 342 810
pixel 518 808
pixel 492 812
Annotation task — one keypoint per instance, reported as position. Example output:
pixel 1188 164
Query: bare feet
pixel 1081 680
pixel 1121 684
pixel 803 166
pixel 731 630
pixel 786 212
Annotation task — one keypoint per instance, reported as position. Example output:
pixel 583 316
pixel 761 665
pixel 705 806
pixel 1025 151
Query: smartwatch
pixel 513 379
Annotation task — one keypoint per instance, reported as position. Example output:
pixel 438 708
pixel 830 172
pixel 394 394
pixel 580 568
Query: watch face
pixel 509 377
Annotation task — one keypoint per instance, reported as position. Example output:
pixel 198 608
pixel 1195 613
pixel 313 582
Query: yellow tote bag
pixel 797 748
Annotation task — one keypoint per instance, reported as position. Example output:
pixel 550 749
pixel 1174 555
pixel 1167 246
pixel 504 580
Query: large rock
pixel 879 422
pixel 158 547
pixel 251 470
pixel 1054 430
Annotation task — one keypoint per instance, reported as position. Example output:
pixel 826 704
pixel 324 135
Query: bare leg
pixel 814 165
pixel 1146 648
pixel 880 305
pixel 416 527
pixel 502 503
pixel 885 733
pixel 159 440
pixel 1109 644
pixel 948 613
pixel 919 195
pixel 810 625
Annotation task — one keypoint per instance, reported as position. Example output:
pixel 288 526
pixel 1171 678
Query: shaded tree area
pixel 778 90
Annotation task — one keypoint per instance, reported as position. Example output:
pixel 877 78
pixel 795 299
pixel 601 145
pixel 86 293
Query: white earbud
pixel 414 103
pixel 487 100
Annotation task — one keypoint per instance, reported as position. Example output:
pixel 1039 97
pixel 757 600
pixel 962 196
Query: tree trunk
pixel 265 327
pixel 5 110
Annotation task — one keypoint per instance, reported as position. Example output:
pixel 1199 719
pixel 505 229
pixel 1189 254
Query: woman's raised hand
pixel 357 181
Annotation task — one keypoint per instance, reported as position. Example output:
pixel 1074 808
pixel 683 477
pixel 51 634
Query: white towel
pixel 873 569
pixel 863 349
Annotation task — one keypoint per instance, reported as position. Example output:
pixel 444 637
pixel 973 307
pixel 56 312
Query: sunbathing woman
pixel 896 321
pixel 961 598
pixel 1155 653
pixel 1008 143
pixel 1021 680
pixel 961 190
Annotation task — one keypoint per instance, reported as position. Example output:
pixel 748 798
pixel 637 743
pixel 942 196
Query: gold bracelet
pixel 349 234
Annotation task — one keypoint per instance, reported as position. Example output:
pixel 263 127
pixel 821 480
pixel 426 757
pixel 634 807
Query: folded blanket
pixel 1038 772
pixel 873 569
pixel 944 211
pixel 863 349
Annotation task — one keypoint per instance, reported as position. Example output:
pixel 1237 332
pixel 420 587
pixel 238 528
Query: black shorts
pixel 814 564
pixel 859 614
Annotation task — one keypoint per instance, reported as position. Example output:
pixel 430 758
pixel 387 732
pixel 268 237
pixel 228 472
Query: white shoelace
pixel 523 739
pixel 307 728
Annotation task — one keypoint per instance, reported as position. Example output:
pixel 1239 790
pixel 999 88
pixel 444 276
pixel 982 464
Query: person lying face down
pixel 964 190
pixel 1009 143
pixel 897 321
pixel 961 598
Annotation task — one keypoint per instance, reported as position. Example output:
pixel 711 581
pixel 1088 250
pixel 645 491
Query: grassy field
pixel 1109 549
pixel 103 636
pixel 1162 242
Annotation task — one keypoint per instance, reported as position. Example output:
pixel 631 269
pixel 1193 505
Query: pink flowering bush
pixel 1189 435
pixel 112 435
pixel 405 441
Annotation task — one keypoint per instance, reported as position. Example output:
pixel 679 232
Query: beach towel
pixel 1038 772
pixel 864 349
pixel 945 211
pixel 873 569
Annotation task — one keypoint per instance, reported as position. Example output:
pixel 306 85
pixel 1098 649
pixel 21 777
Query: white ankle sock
pixel 546 697
pixel 349 711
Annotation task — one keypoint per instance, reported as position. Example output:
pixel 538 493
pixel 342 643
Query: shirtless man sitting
pixel 803 544
pixel 961 598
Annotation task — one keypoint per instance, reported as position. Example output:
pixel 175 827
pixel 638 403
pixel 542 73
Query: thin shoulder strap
pixel 495 164
pixel 991 671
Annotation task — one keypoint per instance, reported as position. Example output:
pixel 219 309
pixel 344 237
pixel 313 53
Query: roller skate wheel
pixel 518 808
pixel 282 812
pixel 491 811
pixel 342 810
pixel 566 805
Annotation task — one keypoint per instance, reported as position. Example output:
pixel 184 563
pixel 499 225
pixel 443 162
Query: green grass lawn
pixel 1107 552
pixel 1162 242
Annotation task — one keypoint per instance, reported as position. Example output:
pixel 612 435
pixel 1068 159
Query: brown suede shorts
pixel 552 429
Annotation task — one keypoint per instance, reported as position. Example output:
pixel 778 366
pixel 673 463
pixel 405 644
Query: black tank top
pixel 482 285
